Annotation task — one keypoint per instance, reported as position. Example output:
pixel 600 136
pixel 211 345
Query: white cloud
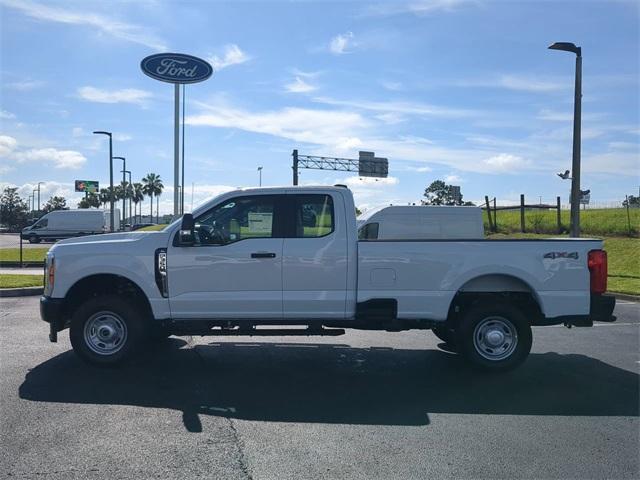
pixel 24 85
pixel 70 159
pixel 126 95
pixel 398 107
pixel 100 23
pixel 7 145
pixel 6 115
pixel 233 55
pixel 418 7
pixel 340 44
pixel 506 163
pixel 452 179
pixel 122 137
pixel 520 83
pixel 300 86
pixel 393 86
pixel 58 158
pixel 323 127
pixel 78 132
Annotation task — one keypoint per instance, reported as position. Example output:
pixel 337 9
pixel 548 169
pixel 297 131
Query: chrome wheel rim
pixel 495 338
pixel 105 333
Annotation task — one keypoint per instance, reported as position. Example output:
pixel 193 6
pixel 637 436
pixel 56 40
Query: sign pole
pixel 176 151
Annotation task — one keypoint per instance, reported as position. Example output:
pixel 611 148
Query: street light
pixel 260 174
pixel 124 167
pixel 577 114
pixel 33 194
pixel 99 132
pixel 38 195
pixel 128 172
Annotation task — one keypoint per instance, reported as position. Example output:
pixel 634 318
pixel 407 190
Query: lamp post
pixel 124 208
pixel 33 194
pixel 130 185
pixel 577 118
pixel 260 176
pixel 99 132
pixel 38 195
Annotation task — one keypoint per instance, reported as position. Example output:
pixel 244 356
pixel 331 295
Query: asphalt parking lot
pixel 364 405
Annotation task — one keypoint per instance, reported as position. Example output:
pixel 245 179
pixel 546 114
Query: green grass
pixel 13 280
pixel 152 228
pixel 28 254
pixel 623 255
pixel 604 222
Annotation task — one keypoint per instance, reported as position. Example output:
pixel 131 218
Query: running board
pixel 267 332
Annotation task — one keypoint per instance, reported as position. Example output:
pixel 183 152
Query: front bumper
pixel 52 312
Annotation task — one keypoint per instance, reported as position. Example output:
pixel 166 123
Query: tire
pixel 106 330
pixel 494 337
pixel 34 239
pixel 445 334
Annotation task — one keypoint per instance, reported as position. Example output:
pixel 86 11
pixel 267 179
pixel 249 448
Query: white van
pixel 70 223
pixel 421 223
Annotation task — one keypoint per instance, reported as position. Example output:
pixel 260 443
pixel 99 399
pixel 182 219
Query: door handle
pixel 263 255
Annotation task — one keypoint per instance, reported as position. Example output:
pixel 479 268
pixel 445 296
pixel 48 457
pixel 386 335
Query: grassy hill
pixel 610 222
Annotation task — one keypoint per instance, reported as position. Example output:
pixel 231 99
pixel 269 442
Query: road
pixel 12 240
pixel 365 405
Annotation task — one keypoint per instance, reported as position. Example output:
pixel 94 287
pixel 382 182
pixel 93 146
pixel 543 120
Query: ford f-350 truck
pixel 288 261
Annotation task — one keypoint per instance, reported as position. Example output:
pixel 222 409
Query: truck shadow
pixel 333 383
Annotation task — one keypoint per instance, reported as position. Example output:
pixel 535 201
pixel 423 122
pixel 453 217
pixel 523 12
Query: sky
pixel 463 91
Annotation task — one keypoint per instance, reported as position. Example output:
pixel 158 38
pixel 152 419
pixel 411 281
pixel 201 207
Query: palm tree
pixel 150 187
pixel 158 192
pixel 137 196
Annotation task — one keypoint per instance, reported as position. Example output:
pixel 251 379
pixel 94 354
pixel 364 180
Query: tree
pixel 633 201
pixel 90 200
pixel 55 203
pixel 13 210
pixel 439 193
pixel 137 196
pixel 158 192
pixel 151 184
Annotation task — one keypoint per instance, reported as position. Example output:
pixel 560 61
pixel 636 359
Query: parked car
pixel 69 223
pixel 252 259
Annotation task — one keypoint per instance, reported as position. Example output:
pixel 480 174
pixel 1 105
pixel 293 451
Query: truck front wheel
pixel 34 239
pixel 105 330
pixel 494 337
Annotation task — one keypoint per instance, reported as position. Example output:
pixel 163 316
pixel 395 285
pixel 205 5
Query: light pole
pixel 124 208
pixel 131 186
pixel 33 194
pixel 39 195
pixel 99 132
pixel 577 114
pixel 260 175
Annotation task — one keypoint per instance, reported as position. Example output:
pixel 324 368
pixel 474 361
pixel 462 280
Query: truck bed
pixel 425 275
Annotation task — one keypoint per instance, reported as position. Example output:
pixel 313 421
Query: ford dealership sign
pixel 176 68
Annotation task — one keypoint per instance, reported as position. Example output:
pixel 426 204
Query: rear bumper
pixel 51 311
pixel 601 308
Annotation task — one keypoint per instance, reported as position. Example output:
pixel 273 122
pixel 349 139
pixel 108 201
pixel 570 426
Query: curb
pixel 21 292
pixel 12 264
pixel 624 296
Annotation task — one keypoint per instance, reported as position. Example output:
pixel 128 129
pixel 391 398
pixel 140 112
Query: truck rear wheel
pixel 105 330
pixel 494 337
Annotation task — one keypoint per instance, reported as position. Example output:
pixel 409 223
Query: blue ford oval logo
pixel 176 68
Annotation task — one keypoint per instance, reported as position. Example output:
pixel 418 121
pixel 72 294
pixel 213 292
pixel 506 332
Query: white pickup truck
pixel 288 261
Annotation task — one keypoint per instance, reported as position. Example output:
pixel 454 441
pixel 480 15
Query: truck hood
pixel 115 240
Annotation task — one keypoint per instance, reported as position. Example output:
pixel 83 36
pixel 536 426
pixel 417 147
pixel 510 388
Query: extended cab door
pixel 235 268
pixel 315 258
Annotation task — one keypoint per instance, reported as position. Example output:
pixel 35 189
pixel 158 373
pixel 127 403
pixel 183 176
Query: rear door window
pixel 314 216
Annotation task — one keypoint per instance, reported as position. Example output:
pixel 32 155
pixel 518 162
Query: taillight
pixel 49 275
pixel 598 268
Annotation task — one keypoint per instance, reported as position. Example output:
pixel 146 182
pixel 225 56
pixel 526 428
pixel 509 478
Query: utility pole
pixel 124 209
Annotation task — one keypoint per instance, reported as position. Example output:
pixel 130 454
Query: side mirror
pixel 186 236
